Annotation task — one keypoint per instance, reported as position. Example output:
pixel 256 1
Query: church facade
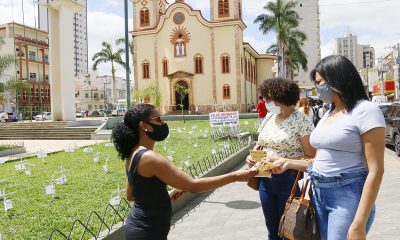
pixel 175 44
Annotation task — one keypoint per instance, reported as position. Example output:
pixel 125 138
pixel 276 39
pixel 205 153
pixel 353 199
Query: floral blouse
pixel 283 139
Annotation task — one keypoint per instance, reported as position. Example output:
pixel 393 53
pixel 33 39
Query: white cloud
pixel 259 45
pixel 11 10
pixel 375 23
pixel 105 27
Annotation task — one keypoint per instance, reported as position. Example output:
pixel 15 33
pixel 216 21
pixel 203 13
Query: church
pixel 175 44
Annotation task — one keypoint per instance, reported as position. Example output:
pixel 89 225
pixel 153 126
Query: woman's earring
pixel 145 130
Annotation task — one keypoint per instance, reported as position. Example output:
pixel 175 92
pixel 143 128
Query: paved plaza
pixel 234 212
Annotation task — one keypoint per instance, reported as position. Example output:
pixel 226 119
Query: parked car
pixel 95 114
pixel 119 112
pixel 79 114
pixel 379 99
pixel 392 119
pixel 43 116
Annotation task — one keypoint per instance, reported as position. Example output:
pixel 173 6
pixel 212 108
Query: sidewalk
pixel 234 212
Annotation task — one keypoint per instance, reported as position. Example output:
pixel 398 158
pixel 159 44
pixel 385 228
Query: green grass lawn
pixel 8 147
pixel 35 214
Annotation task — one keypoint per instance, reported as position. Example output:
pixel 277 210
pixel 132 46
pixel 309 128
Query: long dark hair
pixel 342 75
pixel 125 135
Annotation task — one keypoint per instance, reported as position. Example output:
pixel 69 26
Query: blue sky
pixel 375 22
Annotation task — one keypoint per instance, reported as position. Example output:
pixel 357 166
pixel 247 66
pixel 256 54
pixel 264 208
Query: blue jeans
pixel 336 200
pixel 261 119
pixel 274 192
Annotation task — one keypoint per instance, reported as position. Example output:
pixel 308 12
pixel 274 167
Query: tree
pixel 107 55
pixel 153 92
pixel 295 56
pixel 278 19
pixel 5 62
pixel 183 91
pixel 16 87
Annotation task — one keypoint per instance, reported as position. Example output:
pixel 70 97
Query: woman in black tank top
pixel 149 173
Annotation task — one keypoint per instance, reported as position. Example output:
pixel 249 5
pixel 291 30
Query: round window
pixel 179 18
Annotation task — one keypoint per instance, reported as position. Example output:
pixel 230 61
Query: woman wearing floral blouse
pixel 285 132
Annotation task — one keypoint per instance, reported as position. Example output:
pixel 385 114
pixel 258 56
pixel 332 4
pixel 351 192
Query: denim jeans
pixel 336 200
pixel 274 192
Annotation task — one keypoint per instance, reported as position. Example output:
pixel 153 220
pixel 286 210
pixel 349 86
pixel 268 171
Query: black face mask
pixel 160 132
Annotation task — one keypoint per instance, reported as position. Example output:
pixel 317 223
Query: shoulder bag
pixel 298 221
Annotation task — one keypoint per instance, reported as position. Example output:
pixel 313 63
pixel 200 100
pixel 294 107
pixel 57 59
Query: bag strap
pixel 265 122
pixel 293 192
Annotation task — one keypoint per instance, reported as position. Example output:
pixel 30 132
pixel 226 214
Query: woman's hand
pixel 283 164
pixel 357 232
pixel 177 194
pixel 244 175
pixel 250 161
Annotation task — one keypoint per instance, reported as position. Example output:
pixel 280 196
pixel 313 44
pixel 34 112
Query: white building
pixel 368 56
pixel 93 92
pixel 80 36
pixel 310 25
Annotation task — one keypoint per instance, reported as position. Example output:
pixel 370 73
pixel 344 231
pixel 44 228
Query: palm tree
pixel 107 55
pixel 5 62
pixel 278 18
pixel 295 56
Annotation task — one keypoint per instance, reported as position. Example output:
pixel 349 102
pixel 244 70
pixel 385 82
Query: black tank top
pixel 152 208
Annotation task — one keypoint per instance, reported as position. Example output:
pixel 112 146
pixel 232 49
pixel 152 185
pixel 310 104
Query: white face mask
pixel 271 107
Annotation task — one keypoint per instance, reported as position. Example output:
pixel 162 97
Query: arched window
pixel 223 8
pixel 165 67
pixel 226 91
pixel 241 63
pixel 146 69
pixel 245 68
pixel 144 17
pixel 198 64
pixel 225 64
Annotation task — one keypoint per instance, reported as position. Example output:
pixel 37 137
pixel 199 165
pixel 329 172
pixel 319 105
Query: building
pixel 31 50
pixel 308 11
pixel 362 56
pixel 79 26
pixel 368 56
pixel 175 44
pixel 93 92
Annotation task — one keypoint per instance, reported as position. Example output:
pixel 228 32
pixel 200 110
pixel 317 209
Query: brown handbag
pixel 298 221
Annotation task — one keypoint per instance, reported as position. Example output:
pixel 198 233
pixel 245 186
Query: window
pixel 32 56
pixel 86 95
pixel 245 67
pixel 227 91
pixel 146 70
pixel 198 64
pixel 144 17
pixel 165 67
pixel 225 64
pixel 241 64
pixel 223 8
pixel 32 76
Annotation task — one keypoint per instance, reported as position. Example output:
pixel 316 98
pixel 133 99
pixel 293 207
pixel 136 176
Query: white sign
pixel 105 167
pixel 218 119
pixel 62 180
pixel 96 159
pixel 7 204
pixel 88 150
pixel 2 160
pixel 109 144
pixel 28 172
pixel 115 200
pixel 20 167
pixel 50 189
pixel 213 151
pixel 69 149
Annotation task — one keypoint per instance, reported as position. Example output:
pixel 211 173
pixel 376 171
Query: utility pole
pixel 128 87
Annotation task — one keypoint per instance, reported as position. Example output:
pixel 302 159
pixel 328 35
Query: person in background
pixel 304 107
pixel 285 132
pixel 347 170
pixel 261 109
pixel 149 173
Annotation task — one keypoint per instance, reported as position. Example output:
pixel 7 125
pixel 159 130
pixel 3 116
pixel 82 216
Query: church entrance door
pixel 178 97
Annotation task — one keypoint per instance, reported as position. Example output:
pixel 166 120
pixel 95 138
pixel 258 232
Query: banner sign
pixel 218 119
